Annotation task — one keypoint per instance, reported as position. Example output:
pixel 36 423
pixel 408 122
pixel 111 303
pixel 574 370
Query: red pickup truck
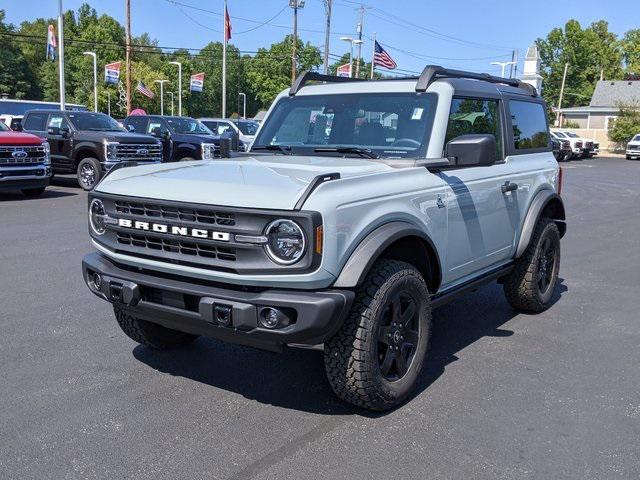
pixel 25 162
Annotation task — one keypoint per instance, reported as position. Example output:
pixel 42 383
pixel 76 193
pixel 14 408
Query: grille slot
pixel 183 247
pixel 139 152
pixel 35 154
pixel 149 210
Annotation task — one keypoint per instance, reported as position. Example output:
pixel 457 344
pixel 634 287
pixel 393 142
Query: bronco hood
pixel 272 182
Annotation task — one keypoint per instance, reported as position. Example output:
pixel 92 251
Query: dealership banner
pixel 197 81
pixel 344 70
pixel 112 73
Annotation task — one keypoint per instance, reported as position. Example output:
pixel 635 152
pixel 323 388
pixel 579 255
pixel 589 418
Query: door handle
pixel 508 187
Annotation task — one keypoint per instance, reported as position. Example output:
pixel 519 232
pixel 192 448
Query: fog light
pixel 97 281
pixel 275 318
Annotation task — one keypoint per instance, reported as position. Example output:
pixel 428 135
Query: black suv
pixel 89 144
pixel 183 138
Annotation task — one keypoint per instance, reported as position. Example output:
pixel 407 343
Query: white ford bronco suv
pixel 361 206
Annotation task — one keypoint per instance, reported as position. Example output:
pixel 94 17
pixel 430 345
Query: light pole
pixel 161 82
pixel 61 54
pixel 108 103
pixel 95 79
pixel 244 104
pixel 171 93
pixel 179 86
pixel 351 43
pixel 503 65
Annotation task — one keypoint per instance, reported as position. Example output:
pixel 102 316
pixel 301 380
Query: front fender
pixel 544 200
pixel 372 246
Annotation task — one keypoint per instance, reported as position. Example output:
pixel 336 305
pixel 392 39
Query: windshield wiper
pixel 286 149
pixel 363 152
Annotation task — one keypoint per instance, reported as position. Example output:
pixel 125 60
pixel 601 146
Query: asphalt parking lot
pixel 504 395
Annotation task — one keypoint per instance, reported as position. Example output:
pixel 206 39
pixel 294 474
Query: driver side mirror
pixel 471 151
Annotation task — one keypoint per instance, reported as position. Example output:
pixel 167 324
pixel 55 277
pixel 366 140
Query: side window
pixel 529 125
pixel 155 124
pixel 59 121
pixel 138 123
pixel 36 122
pixel 475 116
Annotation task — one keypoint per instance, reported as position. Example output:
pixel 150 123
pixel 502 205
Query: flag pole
pixel 373 54
pixel 61 54
pixel 224 63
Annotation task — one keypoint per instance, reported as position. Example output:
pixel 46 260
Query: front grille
pixel 139 152
pixel 589 145
pixel 177 246
pixel 150 210
pixel 34 154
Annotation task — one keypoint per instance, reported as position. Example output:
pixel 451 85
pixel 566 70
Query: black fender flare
pixel 184 146
pixel 370 248
pixel 538 205
pixel 86 146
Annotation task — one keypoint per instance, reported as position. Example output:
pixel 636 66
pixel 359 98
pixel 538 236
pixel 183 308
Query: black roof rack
pixel 426 78
pixel 308 76
pixel 432 72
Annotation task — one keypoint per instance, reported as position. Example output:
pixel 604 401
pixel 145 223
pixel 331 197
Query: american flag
pixel 142 88
pixel 382 58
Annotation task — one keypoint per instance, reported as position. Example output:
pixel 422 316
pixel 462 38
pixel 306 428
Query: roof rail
pixel 308 76
pixel 432 72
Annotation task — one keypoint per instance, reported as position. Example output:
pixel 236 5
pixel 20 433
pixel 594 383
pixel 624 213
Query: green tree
pixel 631 50
pixel 588 52
pixel 16 77
pixel 270 70
pixel 625 126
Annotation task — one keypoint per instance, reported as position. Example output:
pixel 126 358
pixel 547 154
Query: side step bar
pixel 445 297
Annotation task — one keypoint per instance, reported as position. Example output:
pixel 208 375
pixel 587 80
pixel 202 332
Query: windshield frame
pixel 383 152
pixel 73 116
pixel 636 138
pixel 4 127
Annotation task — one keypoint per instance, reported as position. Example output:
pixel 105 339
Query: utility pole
pixel 161 82
pixel 108 103
pixel 295 4
pixel 327 34
pixel 244 104
pixel 128 52
pixel 171 93
pixel 513 59
pixel 61 54
pixel 564 79
pixel 95 80
pixel 359 28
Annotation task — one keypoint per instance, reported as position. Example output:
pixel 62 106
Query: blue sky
pixel 463 34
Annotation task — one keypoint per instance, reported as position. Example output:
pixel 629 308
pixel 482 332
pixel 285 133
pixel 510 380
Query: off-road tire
pixel 33 192
pixel 97 170
pixel 150 334
pixel 351 355
pixel 521 285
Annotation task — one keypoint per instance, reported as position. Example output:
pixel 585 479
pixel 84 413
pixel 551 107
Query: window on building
pixel 529 125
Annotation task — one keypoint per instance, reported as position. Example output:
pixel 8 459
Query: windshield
pixel 95 121
pixel 559 134
pixel 636 138
pixel 391 125
pixel 572 135
pixel 248 128
pixel 3 127
pixel 188 126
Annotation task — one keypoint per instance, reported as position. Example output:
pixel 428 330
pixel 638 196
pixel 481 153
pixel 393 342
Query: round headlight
pixel 97 214
pixel 285 241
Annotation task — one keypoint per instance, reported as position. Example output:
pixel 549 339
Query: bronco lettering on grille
pixel 173 230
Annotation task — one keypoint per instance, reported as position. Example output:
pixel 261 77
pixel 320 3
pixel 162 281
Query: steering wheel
pixel 408 142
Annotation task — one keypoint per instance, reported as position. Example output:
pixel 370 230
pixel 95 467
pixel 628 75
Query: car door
pixel 164 137
pixel 481 207
pixel 60 136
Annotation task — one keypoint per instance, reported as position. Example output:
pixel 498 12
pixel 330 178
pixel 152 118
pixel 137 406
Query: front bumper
pixel 634 152
pixel 189 305
pixel 17 178
pixel 109 164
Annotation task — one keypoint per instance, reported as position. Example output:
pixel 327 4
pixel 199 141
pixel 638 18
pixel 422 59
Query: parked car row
pixel 572 145
pixel 91 144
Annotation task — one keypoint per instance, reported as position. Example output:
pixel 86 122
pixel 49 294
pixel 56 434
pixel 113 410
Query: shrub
pixel 625 126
